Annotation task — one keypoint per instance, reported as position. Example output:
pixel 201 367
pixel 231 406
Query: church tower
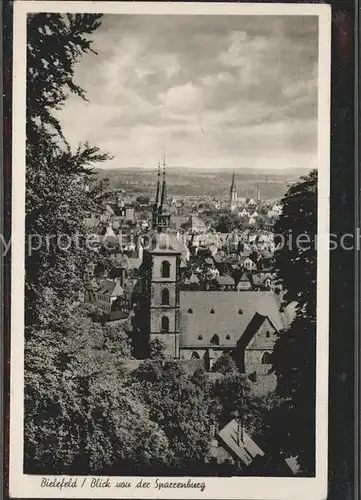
pixel 163 263
pixel 232 192
pixel 160 215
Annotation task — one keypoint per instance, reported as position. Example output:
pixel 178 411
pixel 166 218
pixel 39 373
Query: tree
pixel 225 365
pixel 156 349
pixel 294 356
pixel 56 203
pixel 231 393
pixel 55 44
pixel 226 223
pixel 295 263
pixel 80 417
pixel 179 402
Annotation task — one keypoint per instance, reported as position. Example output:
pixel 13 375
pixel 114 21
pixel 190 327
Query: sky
pixel 205 91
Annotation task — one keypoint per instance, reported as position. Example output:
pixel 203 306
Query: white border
pixel 27 486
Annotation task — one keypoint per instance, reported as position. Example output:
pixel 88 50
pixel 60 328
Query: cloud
pixel 206 90
pixel 181 98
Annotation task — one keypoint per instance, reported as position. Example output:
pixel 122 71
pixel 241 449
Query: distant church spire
pixel 232 191
pixel 233 185
pixel 164 187
pixel 158 186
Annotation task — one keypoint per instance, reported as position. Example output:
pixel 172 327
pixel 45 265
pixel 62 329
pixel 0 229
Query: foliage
pixel 70 366
pixel 178 401
pixel 57 250
pixel 55 44
pixel 56 203
pixel 230 393
pixel 296 263
pixel 225 364
pixel 156 349
pixel 226 223
pixel 294 356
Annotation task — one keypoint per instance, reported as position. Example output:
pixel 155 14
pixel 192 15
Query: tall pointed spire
pixel 233 185
pixel 164 187
pixel 232 191
pixel 158 186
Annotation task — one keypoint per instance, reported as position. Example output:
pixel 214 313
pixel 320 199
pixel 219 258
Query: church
pixel 203 324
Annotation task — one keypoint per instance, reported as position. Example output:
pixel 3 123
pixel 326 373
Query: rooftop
pixel 110 287
pixel 225 314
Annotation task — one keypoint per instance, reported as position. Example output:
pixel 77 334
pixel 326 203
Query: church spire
pixel 233 185
pixel 164 187
pixel 158 186
pixel 232 191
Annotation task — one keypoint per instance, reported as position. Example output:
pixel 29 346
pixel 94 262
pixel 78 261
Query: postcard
pixel 169 250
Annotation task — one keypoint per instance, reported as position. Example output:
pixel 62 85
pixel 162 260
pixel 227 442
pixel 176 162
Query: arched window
pixel 165 269
pixel 215 340
pixel 165 324
pixel 200 337
pixel 266 358
pixel 228 337
pixel 212 311
pixel 165 297
pixel 190 310
pixel 195 355
pixel 267 334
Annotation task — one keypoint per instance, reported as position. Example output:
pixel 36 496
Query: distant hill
pixel 184 181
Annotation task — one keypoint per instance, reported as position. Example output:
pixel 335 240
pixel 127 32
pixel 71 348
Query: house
pixel 252 221
pixel 244 282
pixel 237 443
pixel 233 444
pixel 247 263
pixel 262 281
pixel 107 293
pixel 191 283
pixel 225 282
pixel 196 225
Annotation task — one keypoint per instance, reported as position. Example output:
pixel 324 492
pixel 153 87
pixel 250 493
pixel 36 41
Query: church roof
pixel 253 327
pixel 223 314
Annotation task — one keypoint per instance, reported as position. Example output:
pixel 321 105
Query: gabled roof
pixel 253 327
pixel 244 277
pixel 225 280
pixel 232 313
pixel 218 258
pixel 238 443
pixel 193 280
pixel 109 287
pixel 243 258
pixel 260 278
pixel 91 222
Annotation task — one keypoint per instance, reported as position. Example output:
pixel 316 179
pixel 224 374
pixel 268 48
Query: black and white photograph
pixel 169 298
